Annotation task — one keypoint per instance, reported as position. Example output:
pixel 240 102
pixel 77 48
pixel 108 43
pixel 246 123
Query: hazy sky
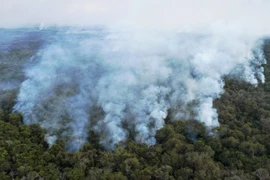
pixel 243 15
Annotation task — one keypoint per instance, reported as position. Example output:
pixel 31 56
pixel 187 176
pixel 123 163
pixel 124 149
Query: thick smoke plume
pixel 153 57
pixel 122 84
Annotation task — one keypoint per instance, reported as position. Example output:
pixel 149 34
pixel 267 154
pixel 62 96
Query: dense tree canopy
pixel 238 149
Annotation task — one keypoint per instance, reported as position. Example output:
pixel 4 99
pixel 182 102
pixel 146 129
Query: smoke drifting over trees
pixel 132 78
pixel 119 69
pixel 132 89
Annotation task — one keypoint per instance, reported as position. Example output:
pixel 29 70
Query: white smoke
pixel 134 77
pixel 243 16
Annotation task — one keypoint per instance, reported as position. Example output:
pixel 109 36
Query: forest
pixel 186 149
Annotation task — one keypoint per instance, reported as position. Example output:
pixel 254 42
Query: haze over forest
pixel 102 75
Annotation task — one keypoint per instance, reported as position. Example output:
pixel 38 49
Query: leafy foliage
pixel 238 149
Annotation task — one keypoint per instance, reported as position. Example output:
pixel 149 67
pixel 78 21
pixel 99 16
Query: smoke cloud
pixel 243 16
pixel 118 67
pixel 133 78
